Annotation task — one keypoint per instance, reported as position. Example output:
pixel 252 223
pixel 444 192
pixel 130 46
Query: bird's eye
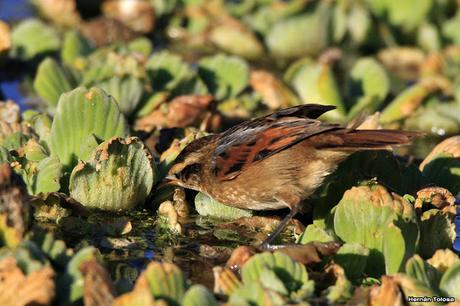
pixel 190 170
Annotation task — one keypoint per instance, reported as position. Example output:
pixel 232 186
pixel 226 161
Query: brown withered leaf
pixel 139 296
pixel 182 111
pixel 405 62
pixel 310 253
pixel 259 223
pixel 5 37
pixel 361 297
pixel 436 196
pixel 450 145
pixel 138 15
pixel 387 294
pixel 9 111
pixel 61 12
pixel 180 202
pixel 16 289
pixel 98 289
pixel 275 94
pixel 104 31
pixel 240 256
pixel 225 280
pixel 443 259
pixel 168 211
pixel 15 207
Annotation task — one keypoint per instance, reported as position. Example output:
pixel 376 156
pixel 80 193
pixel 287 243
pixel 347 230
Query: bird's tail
pixel 352 140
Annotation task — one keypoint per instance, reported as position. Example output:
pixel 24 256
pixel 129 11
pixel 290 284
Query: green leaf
pixel 5 156
pixel 425 273
pixel 437 231
pixel 241 42
pixel 14 141
pixel 315 83
pixel 293 274
pixel 120 175
pixel 315 233
pixel 254 294
pixel 450 281
pixel 70 284
pixel 408 14
pixel 51 81
pixel 198 295
pixel 352 257
pixel 287 39
pixel 444 171
pixel 404 104
pixel 373 77
pixel 167 70
pixel 74 46
pixel 166 281
pixel 207 206
pixel 49 172
pixel 382 222
pixel 81 113
pixel 32 37
pixel 225 76
pixel 127 92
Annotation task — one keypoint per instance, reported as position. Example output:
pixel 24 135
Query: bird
pixel 275 161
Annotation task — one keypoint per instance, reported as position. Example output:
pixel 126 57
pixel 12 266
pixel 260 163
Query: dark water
pixel 11 73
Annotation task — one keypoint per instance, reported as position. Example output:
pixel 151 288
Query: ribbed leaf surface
pixel 81 113
pixel 120 175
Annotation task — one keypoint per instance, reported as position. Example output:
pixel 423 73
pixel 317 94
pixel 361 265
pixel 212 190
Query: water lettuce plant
pixel 110 97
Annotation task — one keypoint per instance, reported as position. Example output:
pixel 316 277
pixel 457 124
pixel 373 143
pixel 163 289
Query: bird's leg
pixel 294 206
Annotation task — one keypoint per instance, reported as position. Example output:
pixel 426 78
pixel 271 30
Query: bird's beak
pixel 171 180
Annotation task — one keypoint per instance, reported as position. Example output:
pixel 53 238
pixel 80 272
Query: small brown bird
pixel 275 161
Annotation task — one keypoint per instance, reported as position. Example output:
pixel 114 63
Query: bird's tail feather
pixel 371 139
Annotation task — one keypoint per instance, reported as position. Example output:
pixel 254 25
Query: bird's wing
pixel 255 140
